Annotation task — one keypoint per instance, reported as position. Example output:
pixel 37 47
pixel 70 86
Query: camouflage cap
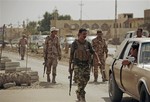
pixel 54 29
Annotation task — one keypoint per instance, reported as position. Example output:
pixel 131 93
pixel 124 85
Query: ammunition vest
pixel 82 52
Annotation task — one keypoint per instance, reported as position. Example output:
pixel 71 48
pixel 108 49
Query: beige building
pixel 125 22
pixel 12 33
pixel 147 16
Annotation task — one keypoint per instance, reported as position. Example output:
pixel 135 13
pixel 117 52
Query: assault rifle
pixel 45 61
pixel 19 49
pixel 70 77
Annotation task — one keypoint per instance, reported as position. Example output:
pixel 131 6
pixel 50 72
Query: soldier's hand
pixel 99 63
pixel 59 58
pixel 106 55
pixel 70 70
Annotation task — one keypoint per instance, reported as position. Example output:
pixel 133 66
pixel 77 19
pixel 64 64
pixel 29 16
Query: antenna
pixel 81 4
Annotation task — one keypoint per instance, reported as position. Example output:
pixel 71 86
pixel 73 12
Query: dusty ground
pixel 39 55
pixel 47 92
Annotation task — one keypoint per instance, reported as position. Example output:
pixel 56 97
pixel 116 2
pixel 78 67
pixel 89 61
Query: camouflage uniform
pixel 100 47
pixel 80 55
pixel 53 52
pixel 22 47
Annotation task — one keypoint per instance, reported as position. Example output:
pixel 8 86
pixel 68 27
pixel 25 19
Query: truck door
pixel 128 73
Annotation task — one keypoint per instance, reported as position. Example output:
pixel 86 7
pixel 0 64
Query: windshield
pixel 145 53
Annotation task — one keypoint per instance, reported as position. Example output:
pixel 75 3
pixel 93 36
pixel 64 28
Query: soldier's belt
pixel 81 63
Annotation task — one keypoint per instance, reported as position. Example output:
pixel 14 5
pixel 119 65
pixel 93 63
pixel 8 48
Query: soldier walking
pixel 81 51
pixel 52 52
pixel 100 47
pixel 22 46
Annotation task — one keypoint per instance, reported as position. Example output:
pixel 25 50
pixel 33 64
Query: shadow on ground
pixel 124 99
pixel 48 85
pixel 97 83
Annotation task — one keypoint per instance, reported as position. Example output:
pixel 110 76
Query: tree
pixel 64 17
pixel 44 24
pixel 31 27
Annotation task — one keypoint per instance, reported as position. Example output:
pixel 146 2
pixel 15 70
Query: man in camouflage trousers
pixel 22 46
pixel 100 47
pixel 81 51
pixel 52 52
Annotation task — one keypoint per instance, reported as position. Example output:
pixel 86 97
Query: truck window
pixel 145 53
pixel 125 51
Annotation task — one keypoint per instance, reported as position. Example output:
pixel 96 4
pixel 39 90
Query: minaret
pixel 55 14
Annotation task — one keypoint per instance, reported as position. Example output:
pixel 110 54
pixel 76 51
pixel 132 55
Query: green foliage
pixel 44 24
pixel 65 17
pixel 32 27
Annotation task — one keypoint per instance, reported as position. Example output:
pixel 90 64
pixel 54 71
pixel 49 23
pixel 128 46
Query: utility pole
pixel 81 13
pixel 18 29
pixel 115 32
pixel 3 45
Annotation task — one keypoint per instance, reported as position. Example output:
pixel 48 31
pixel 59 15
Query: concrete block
pixel 33 81
pixel 12 64
pixel 33 73
pixel 19 69
pixel 10 70
pixel 8 85
pixel 34 77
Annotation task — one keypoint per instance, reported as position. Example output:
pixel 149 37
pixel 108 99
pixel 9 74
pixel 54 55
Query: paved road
pixel 53 92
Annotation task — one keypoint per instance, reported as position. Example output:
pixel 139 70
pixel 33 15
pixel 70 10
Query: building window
pixel 130 25
pixel 66 25
pixel 76 26
pixel 120 25
pixel 95 26
pixel 85 26
pixel 105 27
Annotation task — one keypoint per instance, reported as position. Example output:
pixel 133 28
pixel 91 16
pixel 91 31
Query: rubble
pixel 11 74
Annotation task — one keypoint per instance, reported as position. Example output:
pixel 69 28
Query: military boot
pixel 104 76
pixel 78 96
pixel 48 78
pixel 95 78
pixel 82 98
pixel 22 58
pixel 53 79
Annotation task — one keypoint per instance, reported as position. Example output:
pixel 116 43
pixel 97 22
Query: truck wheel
pixel 115 93
pixel 144 96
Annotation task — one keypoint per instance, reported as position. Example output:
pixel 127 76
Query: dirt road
pixel 47 92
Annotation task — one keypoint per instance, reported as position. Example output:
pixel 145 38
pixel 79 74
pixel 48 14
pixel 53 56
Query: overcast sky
pixel 14 11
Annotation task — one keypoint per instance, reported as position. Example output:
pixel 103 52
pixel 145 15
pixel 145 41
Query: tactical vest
pixel 82 52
